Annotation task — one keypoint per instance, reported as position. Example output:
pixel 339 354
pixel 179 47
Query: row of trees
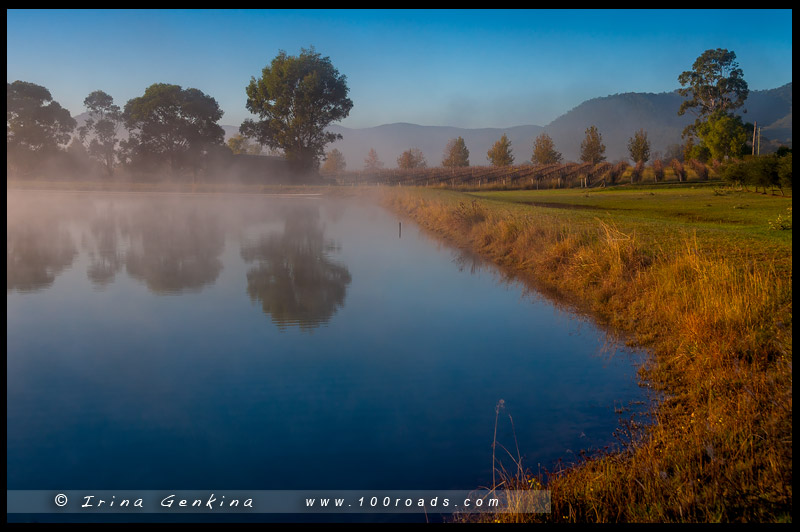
pixel 767 171
pixel 166 126
pixel 456 154
pixel 294 100
pixel 715 88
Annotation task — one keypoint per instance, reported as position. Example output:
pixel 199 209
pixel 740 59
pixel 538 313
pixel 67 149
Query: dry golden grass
pixel 718 326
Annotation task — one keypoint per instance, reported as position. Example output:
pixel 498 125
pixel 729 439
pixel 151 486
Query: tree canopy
pixel 334 162
pixel 296 99
pixel 411 159
pixel 592 148
pixel 544 150
pixel 715 88
pixel 500 154
pixel 723 135
pixel 35 123
pixel 715 83
pixel 173 125
pixel 456 154
pixel 239 145
pixel 639 147
pixel 100 130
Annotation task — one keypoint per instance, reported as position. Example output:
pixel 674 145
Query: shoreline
pixel 721 358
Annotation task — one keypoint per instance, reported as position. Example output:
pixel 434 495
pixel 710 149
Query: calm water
pixel 184 342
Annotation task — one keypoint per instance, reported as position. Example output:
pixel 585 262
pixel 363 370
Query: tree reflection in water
pixel 36 252
pixel 293 277
pixel 103 243
pixel 176 249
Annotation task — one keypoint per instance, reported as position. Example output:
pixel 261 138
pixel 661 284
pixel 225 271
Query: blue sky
pixel 478 68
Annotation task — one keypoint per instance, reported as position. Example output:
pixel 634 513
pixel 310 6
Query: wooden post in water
pixel 399 229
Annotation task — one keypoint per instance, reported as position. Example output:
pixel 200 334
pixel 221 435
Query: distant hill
pixel 617 117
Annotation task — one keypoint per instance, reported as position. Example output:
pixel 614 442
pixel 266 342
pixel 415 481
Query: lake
pixel 167 341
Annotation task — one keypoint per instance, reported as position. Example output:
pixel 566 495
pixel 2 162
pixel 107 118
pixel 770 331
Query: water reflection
pixel 103 244
pixel 293 278
pixel 174 250
pixel 37 250
pixel 123 388
pixel 174 245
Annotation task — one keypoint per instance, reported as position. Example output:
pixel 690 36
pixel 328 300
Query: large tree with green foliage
pixel 715 83
pixel 723 135
pixel 592 148
pixel 173 125
pixel 715 88
pixel 100 130
pixel 36 125
pixel 500 153
pixel 544 150
pixel 296 99
pixel 456 154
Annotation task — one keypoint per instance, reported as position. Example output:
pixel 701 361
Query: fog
pixel 174 244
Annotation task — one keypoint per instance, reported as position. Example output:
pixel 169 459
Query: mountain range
pixel 617 117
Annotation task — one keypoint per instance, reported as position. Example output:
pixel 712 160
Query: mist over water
pixel 249 342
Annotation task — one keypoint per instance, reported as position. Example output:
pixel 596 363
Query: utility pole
pixel 759 142
pixel 754 137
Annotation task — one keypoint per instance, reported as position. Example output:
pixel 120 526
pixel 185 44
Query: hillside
pixel 617 117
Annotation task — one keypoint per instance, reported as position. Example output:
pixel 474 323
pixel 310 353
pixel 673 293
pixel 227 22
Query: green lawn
pixel 734 220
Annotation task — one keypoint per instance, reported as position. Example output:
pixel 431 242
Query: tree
pixel 723 136
pixel 334 162
pixel 101 128
pixel 372 163
pixel 639 147
pixel 456 154
pixel 36 124
pixel 785 169
pixel 715 83
pixel 296 99
pixel 239 145
pixel 592 147
pixel 696 152
pixel 174 125
pixel 715 88
pixel 500 153
pixel 411 159
pixel 544 150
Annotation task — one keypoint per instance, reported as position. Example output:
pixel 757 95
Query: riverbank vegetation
pixel 701 275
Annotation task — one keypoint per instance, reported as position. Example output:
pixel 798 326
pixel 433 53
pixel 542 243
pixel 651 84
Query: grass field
pixel 699 274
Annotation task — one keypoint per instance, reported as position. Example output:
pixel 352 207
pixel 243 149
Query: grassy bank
pixel 702 277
